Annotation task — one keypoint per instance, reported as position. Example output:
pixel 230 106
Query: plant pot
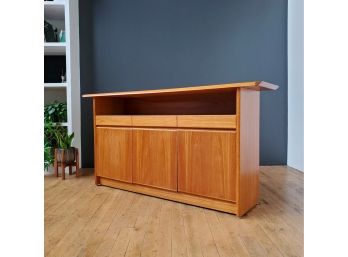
pixel 69 155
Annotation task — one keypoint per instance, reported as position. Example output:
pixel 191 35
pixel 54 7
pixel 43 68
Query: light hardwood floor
pixel 82 219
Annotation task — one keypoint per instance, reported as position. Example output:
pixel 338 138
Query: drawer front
pixel 154 120
pixel 113 120
pixel 207 163
pixel 169 121
pixel 207 121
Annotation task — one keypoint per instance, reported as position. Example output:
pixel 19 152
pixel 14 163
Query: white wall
pixel 295 84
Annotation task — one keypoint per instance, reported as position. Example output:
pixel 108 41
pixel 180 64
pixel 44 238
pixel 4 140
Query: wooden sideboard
pixel 196 145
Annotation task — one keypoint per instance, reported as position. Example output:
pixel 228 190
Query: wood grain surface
pixel 113 120
pixel 248 111
pixel 155 158
pixel 253 85
pixel 207 163
pixel 114 153
pixel 84 220
pixel 207 121
pixel 154 121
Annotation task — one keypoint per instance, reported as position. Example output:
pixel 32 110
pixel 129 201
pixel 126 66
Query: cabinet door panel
pixel 207 163
pixel 114 153
pixel 155 158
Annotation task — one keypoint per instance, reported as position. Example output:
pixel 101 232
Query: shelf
pixel 55 48
pixel 54 10
pixel 55 2
pixel 55 85
pixel 63 124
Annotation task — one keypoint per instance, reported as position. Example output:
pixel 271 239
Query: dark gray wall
pixel 86 80
pixel 130 45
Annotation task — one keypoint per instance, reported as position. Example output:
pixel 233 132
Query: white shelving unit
pixel 63 14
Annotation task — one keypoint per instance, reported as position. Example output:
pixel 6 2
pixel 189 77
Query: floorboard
pixel 82 219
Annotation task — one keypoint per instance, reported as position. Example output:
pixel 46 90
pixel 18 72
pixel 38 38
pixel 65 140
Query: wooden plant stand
pixel 63 164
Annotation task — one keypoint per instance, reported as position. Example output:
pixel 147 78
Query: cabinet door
pixel 155 158
pixel 114 153
pixel 207 163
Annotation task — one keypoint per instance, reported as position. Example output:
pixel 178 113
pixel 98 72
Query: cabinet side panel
pixel 96 179
pixel 248 111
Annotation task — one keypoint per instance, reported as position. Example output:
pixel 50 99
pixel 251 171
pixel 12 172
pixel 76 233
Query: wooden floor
pixel 82 219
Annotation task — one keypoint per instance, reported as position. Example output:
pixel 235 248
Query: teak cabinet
pixel 196 145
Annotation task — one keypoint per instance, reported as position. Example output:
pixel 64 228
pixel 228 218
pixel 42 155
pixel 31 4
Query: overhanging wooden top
pixel 253 85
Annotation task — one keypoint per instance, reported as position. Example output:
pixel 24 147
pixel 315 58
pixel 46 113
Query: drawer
pixel 154 120
pixel 113 120
pixel 207 121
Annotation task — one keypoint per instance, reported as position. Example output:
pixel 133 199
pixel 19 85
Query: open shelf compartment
pixel 209 110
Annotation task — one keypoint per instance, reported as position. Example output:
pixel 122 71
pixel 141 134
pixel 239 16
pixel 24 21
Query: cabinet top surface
pixel 254 85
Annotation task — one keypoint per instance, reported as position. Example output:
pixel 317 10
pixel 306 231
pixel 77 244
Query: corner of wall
pixel 295 85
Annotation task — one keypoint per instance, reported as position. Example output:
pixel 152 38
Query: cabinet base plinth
pixel 218 205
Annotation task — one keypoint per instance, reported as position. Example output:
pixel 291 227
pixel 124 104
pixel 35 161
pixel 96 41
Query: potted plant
pixel 54 114
pixel 48 156
pixel 49 142
pixel 65 152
